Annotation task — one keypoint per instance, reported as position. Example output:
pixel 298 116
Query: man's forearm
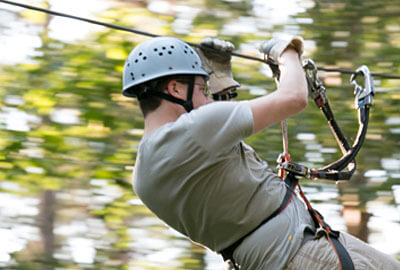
pixel 292 79
pixel 289 99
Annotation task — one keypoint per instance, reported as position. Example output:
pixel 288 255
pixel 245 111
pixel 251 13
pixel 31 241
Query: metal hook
pixel 364 96
pixel 315 85
pixel 309 64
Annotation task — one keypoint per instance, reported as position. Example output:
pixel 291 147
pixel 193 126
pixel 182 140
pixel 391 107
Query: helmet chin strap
pixel 187 104
pixel 189 99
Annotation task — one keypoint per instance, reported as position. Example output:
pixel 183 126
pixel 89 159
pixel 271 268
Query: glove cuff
pixel 218 84
pixel 220 73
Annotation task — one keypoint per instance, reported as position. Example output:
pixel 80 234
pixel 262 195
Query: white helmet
pixel 159 57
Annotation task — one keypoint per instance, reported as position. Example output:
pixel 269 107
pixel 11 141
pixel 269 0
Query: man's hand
pixel 274 48
pixel 215 56
pixel 217 49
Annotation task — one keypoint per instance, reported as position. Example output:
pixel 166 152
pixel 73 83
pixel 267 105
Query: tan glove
pixel 215 56
pixel 274 47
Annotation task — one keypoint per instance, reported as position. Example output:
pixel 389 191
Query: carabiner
pixel 315 85
pixel 364 96
pixel 309 64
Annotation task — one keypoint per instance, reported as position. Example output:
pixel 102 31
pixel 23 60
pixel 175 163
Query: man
pixel 215 55
pixel 193 171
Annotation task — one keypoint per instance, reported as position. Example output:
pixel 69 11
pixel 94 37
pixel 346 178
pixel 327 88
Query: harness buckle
pixel 364 96
pixel 283 157
pixel 320 233
pixel 295 168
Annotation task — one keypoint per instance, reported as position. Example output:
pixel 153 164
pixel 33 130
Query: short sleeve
pixel 220 125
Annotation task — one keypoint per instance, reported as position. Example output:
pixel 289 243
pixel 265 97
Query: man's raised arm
pixel 290 98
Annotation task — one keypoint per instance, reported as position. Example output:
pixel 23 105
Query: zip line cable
pixel 109 25
pixel 127 29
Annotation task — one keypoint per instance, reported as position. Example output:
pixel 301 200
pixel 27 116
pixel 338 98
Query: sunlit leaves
pixel 40 99
pixel 116 53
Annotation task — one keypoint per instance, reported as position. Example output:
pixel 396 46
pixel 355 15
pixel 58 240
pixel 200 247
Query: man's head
pixel 155 63
pixel 227 94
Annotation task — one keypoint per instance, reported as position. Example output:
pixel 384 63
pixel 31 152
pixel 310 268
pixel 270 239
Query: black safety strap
pixel 291 183
pixel 364 99
pixel 345 261
pixel 323 229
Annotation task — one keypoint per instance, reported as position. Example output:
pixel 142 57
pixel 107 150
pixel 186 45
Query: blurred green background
pixel 68 138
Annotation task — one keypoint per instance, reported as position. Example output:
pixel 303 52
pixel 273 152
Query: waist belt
pixel 291 182
pixel 323 228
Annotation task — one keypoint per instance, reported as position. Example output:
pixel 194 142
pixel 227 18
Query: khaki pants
pixel 318 254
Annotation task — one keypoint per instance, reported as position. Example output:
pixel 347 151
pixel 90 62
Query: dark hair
pixel 149 102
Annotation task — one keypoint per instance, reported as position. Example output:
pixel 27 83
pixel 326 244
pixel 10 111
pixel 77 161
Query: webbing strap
pixel 291 181
pixel 345 260
pixel 341 253
pixel 363 99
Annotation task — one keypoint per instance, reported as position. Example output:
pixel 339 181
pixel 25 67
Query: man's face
pixel 200 93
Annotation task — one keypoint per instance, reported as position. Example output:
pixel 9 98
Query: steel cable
pixel 127 29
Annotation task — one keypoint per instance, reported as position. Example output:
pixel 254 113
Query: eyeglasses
pixel 202 87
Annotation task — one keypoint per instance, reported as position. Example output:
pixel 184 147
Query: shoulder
pixel 219 125
pixel 220 110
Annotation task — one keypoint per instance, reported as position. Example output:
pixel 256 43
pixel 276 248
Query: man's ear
pixel 175 89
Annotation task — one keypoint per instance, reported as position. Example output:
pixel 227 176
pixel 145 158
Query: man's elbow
pixel 303 101
pixel 298 103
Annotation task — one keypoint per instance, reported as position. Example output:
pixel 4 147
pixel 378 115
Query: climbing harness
pixel 131 30
pixel 322 228
pixel 334 171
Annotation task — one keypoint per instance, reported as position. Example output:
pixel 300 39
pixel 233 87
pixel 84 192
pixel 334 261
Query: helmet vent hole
pixel 132 76
pixel 136 60
pixel 169 52
pixel 164 48
pixel 160 54
pixel 172 46
pixel 185 51
pixel 128 64
pixel 193 66
pixel 155 49
pixel 144 57
pixel 140 53
pixel 143 74
pixel 170 68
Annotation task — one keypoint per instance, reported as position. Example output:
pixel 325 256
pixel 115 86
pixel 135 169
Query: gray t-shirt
pixel 198 176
